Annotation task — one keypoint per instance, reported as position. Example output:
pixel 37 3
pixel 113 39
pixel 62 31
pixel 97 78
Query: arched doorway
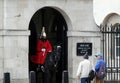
pixel 56 29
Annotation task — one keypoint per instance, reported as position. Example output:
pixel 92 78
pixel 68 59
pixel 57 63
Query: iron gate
pixel 111 52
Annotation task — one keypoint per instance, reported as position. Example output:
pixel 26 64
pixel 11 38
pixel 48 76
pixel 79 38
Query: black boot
pixel 43 68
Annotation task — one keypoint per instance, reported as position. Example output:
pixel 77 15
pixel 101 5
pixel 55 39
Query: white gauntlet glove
pixel 43 49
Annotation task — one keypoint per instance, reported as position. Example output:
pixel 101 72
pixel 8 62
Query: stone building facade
pixel 81 21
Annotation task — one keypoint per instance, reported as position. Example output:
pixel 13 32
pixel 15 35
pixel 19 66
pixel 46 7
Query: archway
pixel 56 29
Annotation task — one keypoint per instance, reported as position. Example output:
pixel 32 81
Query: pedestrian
pixel 100 68
pixel 83 70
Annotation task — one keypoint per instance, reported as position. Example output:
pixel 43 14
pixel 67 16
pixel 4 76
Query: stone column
pixel 93 37
pixel 15 55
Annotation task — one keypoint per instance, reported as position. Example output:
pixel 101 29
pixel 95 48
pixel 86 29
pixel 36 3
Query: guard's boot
pixel 43 68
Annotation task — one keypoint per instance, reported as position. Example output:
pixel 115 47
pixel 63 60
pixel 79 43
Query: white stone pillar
pixel 15 55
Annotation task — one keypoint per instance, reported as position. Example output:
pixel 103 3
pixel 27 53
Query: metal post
pixel 32 77
pixel 65 76
pixel 6 77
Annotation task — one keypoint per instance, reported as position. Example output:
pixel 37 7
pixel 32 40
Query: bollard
pixel 6 77
pixel 65 76
pixel 32 77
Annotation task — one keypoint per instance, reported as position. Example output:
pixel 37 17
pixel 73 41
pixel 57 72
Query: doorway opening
pixel 56 31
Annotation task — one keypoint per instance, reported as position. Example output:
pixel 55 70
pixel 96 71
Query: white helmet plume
pixel 43 32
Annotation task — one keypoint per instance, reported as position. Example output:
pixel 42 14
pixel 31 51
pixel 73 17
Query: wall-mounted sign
pixel 83 48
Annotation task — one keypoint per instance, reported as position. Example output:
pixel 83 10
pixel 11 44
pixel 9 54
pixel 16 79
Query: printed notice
pixel 83 48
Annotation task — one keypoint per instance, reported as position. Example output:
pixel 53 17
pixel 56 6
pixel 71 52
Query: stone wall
pixel 14 41
pixel 103 8
pixel 14 33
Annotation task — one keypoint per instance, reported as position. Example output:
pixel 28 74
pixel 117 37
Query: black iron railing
pixel 111 51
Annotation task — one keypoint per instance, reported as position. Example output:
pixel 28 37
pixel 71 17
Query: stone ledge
pixel 20 80
pixel 83 33
pixel 14 32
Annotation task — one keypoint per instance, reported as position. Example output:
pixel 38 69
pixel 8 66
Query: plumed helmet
pixel 43 32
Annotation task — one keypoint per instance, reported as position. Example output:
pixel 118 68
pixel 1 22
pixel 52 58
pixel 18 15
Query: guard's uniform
pixel 43 46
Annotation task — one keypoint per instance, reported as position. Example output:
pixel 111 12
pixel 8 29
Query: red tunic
pixel 42 48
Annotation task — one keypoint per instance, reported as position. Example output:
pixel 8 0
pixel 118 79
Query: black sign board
pixel 83 48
